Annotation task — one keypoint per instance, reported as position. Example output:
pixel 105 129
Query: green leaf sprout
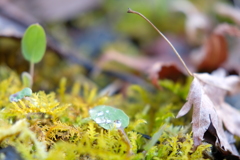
pixel 109 117
pixel 20 95
pixel 26 79
pixel 34 43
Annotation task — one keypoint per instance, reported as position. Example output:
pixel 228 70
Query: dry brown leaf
pixel 165 71
pixel 148 65
pixel 214 51
pixel 231 83
pixel 204 113
pixel 218 83
pixel 206 95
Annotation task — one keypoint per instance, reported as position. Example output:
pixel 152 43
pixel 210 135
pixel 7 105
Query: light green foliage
pixel 26 79
pixel 34 43
pixel 49 126
pixel 38 105
pixel 7 79
pixel 20 136
pixel 154 139
pixel 20 95
pixel 109 117
pixel 176 87
pixel 156 108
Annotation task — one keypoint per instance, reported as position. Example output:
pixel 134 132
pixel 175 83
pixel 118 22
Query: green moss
pixel 56 126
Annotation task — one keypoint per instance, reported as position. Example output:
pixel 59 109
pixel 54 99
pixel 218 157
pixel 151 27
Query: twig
pixel 134 12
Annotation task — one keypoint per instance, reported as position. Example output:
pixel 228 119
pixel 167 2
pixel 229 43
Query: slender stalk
pixel 126 140
pixel 31 72
pixel 134 12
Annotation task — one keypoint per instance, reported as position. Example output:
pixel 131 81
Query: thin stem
pixel 126 140
pixel 31 72
pixel 134 12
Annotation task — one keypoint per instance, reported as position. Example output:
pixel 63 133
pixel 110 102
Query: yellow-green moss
pixel 56 126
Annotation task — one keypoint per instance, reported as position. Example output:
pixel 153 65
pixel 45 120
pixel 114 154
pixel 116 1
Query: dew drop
pixel 100 113
pixel 99 120
pixel 117 123
pixel 108 121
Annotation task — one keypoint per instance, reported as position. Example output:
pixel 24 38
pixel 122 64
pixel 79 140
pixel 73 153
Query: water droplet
pixel 108 121
pixel 100 113
pixel 99 120
pixel 117 123
pixel 107 111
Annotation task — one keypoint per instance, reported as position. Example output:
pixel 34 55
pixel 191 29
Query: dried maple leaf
pixel 206 95
pixel 218 83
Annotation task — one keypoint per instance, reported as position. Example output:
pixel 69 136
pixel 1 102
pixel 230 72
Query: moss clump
pixel 56 126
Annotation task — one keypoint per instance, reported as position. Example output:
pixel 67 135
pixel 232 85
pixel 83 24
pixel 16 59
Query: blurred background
pixel 98 42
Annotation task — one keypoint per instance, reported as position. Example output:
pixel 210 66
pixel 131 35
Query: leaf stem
pixel 126 140
pixel 185 66
pixel 31 72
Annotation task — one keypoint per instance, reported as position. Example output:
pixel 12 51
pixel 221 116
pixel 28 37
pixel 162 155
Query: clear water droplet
pixel 99 120
pixel 100 113
pixel 107 111
pixel 117 123
pixel 108 121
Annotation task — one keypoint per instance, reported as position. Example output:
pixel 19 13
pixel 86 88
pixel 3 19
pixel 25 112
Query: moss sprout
pixel 56 125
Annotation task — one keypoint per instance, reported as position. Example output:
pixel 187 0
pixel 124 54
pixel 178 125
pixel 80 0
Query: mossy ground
pixel 55 125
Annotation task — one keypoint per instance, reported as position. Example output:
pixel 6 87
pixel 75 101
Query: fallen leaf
pixel 218 152
pixel 218 83
pixel 203 113
pixel 155 67
pixel 215 46
pixel 165 71
pixel 206 95
pixel 218 78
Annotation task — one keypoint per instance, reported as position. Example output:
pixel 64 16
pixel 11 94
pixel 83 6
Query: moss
pixel 55 125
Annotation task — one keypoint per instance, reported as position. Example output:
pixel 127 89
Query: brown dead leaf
pixel 231 83
pixel 212 54
pixel 218 83
pixel 214 51
pixel 147 65
pixel 207 94
pixel 204 113
pixel 165 71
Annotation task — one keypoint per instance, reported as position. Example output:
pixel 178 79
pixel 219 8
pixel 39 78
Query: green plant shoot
pixel 109 117
pixel 33 45
pixel 20 95
pixel 26 79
